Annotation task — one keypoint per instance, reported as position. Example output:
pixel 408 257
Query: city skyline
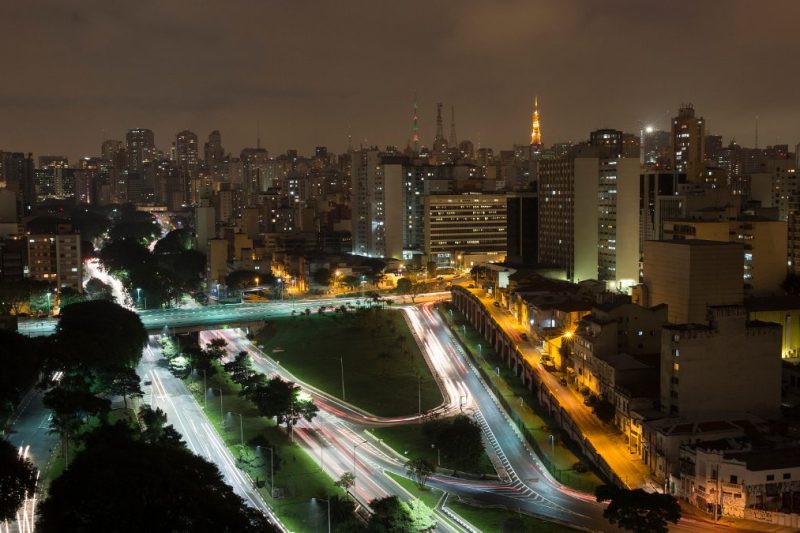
pixel 238 76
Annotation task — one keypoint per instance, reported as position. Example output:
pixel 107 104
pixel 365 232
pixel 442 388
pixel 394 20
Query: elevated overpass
pixel 182 320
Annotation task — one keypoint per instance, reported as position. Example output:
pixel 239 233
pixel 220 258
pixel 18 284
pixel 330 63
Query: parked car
pixel 563 381
pixel 496 304
pixel 523 336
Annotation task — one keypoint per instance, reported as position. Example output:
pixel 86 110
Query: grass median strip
pixel 298 478
pixel 384 370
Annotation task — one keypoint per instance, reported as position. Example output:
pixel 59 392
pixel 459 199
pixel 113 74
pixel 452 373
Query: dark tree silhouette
pixel 637 510
pixel 17 480
pixel 122 483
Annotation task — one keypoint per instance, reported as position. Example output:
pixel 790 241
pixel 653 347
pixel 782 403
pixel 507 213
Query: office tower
pixel 589 217
pixel 377 205
pixel 722 367
pixel 465 229
pixel 522 233
pixel 254 170
pixel 186 151
pixel 657 148
pixel 56 258
pixel 109 150
pixel 439 142
pixel 775 184
pixel 688 143
pixel 690 275
pixel 213 151
pixel 536 132
pixel 18 174
pixel 140 144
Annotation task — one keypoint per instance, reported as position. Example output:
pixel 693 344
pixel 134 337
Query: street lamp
pixel 341 363
pixel 355 472
pixel 241 425
pixel 329 510
pixel 438 455
pixel 48 303
pixel 221 412
pixel 138 296
pixel 205 389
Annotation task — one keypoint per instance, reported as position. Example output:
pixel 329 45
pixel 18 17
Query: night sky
pixel 311 72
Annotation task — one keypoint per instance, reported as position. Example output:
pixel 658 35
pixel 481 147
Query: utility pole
pixel 341 363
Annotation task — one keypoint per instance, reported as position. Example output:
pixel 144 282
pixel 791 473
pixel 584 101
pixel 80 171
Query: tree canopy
pixel 122 483
pixel 637 510
pixel 459 440
pixel 17 480
pixel 98 335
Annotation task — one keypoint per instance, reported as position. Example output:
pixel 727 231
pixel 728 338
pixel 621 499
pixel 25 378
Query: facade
pixel 56 258
pixel 141 148
pixel 764 242
pixel 522 233
pixel 741 481
pixel 688 143
pixel 726 367
pixel 689 275
pixel 472 224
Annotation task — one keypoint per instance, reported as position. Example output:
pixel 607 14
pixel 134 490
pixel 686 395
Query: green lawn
pixel 560 458
pixel 297 479
pixel 381 359
pixel 490 519
pixel 410 441
pixel 428 495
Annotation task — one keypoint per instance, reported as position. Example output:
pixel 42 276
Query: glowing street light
pixel 329 510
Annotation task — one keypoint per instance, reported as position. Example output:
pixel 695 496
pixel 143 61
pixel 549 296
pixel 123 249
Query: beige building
pixel 689 275
pixel 764 242
pixel 725 368
pixel 470 224
pixel 56 259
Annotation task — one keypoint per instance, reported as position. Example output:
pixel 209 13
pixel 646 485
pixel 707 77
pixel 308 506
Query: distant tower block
pixel 536 132
pixel 415 130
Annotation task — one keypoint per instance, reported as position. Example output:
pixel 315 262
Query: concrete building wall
pixel 689 275
pixel 585 233
pixel 726 369
pixel 628 221
pixel 393 206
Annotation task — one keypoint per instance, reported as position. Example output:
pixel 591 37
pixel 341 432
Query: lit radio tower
pixel 415 130
pixel 536 133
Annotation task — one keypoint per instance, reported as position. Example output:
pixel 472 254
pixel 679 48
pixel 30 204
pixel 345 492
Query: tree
pixel 239 279
pixel 323 277
pixel 404 286
pixel 17 480
pixel 419 469
pixel 122 483
pixel 16 295
pixel 71 403
pixel 604 410
pixel 97 290
pixel 21 360
pixel 155 429
pixel 239 368
pixel 176 241
pixel 791 285
pixel 124 382
pixel 637 510
pixel 390 515
pixel 346 480
pixel 97 336
pixel 431 268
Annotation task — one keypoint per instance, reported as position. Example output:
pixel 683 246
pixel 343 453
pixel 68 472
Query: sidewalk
pixel 608 443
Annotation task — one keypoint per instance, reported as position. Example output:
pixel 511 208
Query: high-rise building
pixel 522 234
pixel 141 147
pixel 109 150
pixel 213 151
pixel 688 143
pixel 56 258
pixel 18 174
pixel 690 275
pixel 377 203
pixel 465 229
pixel 186 151
pixel 536 132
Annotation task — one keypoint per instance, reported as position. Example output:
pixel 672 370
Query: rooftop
pixel 768 459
